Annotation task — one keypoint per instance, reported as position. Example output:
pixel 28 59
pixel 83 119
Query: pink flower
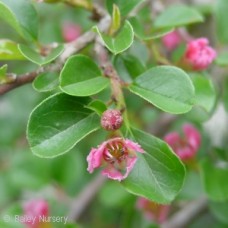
pixel 186 146
pixel 117 155
pixel 172 40
pixel 199 55
pixel 33 210
pixel 153 211
pixel 70 31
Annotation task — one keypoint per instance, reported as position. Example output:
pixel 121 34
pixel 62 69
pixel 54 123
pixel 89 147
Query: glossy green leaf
pixel 58 123
pixel 214 176
pixel 46 82
pixel 21 15
pixel 168 88
pixel 124 6
pixel 222 59
pixel 158 174
pixel 178 15
pixel 35 57
pixel 3 72
pixel 205 95
pixel 145 35
pixel 219 210
pixel 80 76
pixel 9 51
pixel 121 42
pixel 221 18
pixel 97 106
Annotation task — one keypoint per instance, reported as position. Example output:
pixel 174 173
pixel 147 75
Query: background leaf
pixel 176 16
pixel 158 174
pixel 213 176
pixel 124 6
pixel 205 95
pixel 21 15
pixel 168 88
pixel 121 42
pixel 221 18
pixel 58 123
pixel 145 35
pixel 80 76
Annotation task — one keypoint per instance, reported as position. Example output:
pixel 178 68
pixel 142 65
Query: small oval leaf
pixel 168 88
pixel 158 174
pixel 36 58
pixel 46 82
pixel 121 42
pixel 80 76
pixel 58 123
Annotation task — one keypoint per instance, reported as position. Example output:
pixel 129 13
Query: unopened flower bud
pixel 111 120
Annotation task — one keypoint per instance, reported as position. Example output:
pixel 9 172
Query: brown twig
pixel 19 81
pixel 183 217
pixel 82 200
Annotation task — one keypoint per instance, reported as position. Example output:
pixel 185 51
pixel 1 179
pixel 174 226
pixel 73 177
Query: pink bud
pixel 172 40
pixel 111 120
pixel 185 146
pixel 199 55
pixel 153 211
pixel 117 155
pixel 70 31
pixel 33 209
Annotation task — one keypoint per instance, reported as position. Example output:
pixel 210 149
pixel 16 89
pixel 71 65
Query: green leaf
pixel 46 82
pixel 21 15
pixel 124 6
pixel 116 20
pixel 222 59
pixel 158 174
pixel 219 210
pixel 121 42
pixel 178 15
pixel 205 95
pixel 58 123
pixel 214 176
pixel 80 76
pixel 168 88
pixel 143 34
pixel 221 18
pixel 36 58
pixel 9 51
pixel 225 94
pixel 97 106
pixel 128 67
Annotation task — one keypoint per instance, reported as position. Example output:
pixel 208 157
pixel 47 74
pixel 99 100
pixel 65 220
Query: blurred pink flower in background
pixel 185 146
pixel 153 211
pixel 33 209
pixel 199 55
pixel 70 31
pixel 117 155
pixel 172 40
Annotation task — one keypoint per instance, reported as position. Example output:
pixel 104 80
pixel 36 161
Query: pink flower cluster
pixel 33 209
pixel 117 155
pixel 199 55
pixel 172 40
pixel 70 31
pixel 185 146
pixel 153 211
